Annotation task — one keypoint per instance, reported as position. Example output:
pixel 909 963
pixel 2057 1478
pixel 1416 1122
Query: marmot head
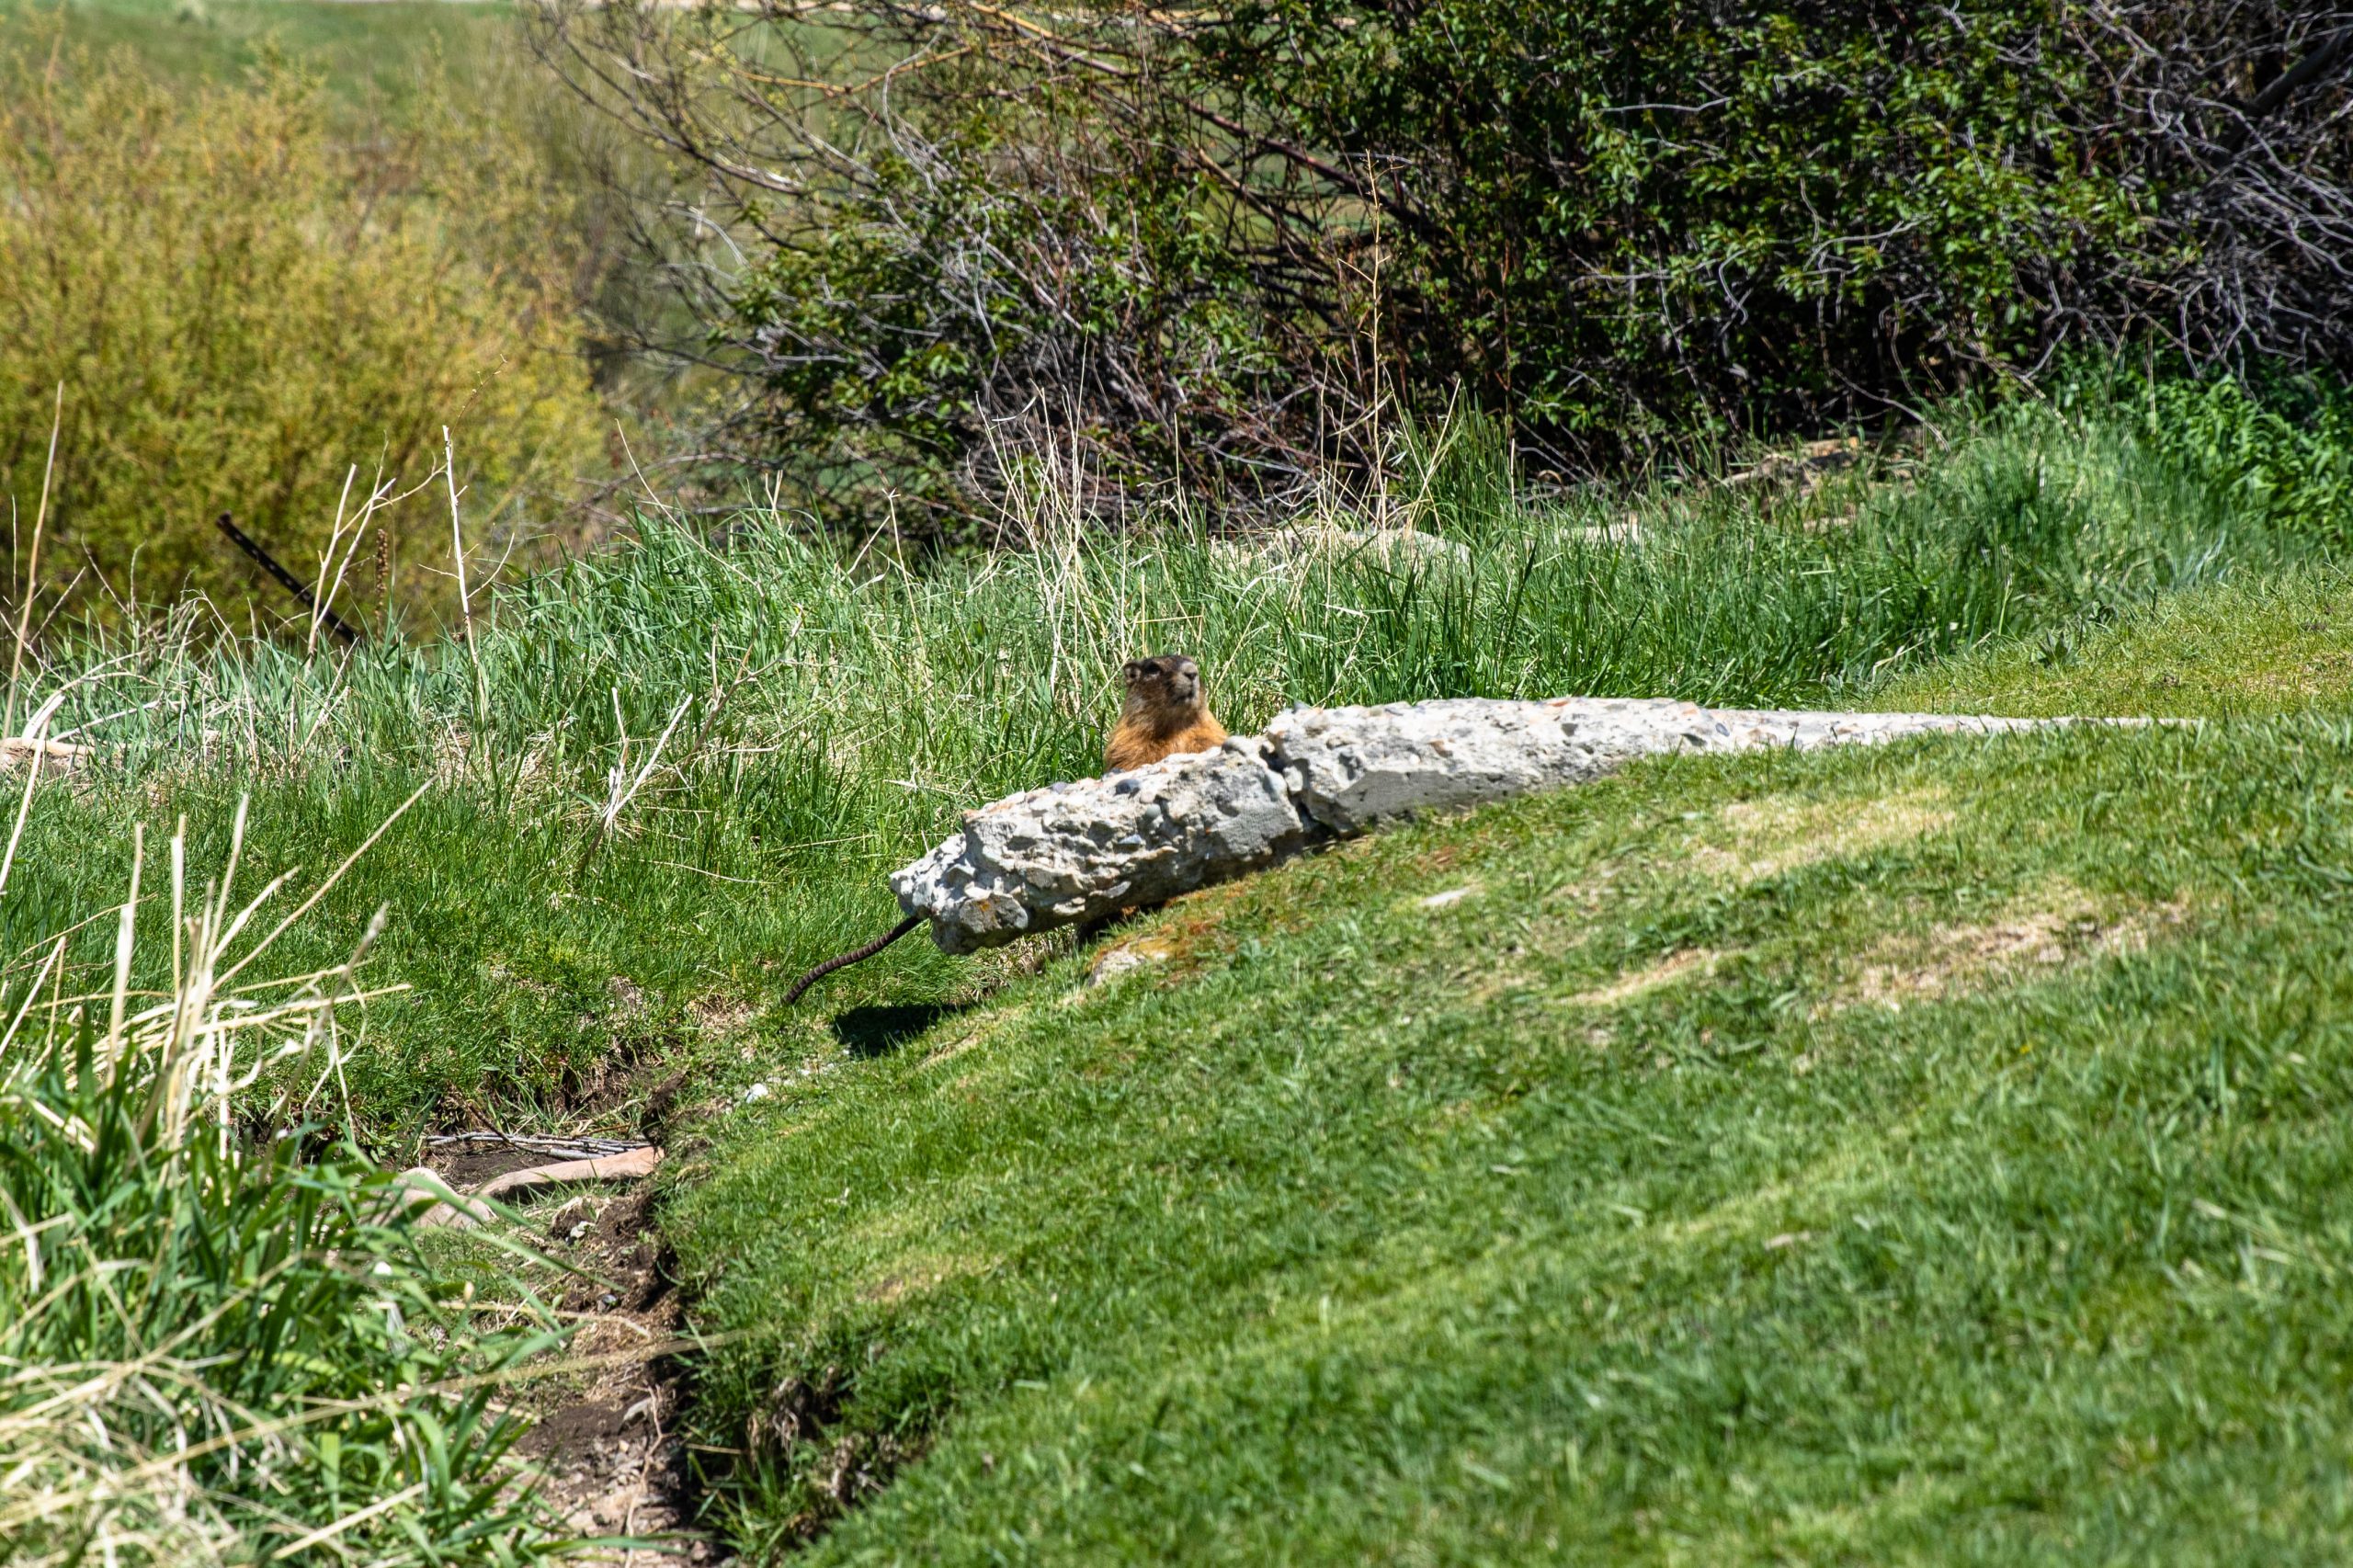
pixel 1169 680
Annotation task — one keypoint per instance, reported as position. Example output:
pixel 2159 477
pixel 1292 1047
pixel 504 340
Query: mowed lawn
pixel 1937 1153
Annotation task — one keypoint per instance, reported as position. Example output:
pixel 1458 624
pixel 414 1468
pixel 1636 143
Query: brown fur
pixel 1164 715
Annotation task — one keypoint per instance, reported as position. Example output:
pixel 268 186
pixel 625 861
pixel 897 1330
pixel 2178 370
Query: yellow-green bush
pixel 239 308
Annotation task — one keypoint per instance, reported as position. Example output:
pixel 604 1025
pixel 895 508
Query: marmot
pixel 1164 714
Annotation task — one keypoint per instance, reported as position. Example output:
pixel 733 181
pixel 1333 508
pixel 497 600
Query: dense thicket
pixel 1213 241
pixel 219 303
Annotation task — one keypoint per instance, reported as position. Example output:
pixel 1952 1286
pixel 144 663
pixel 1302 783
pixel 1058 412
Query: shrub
pixel 239 310
pixel 1212 243
pixel 2284 450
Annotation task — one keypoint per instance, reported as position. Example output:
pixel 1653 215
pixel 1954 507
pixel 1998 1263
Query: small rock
pixel 569 1222
pixel 756 1092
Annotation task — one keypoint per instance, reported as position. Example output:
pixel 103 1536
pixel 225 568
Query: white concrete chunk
pixel 1078 852
pixel 1350 767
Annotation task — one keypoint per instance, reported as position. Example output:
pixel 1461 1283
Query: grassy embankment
pixel 1364 1223
pixel 1933 1155
pixel 369 58
pixel 1926 1154
pixel 826 720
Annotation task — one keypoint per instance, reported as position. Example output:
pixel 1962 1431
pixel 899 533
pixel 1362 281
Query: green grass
pixel 219 1340
pixel 834 716
pixel 1775 1158
pixel 368 55
pixel 1924 1155
pixel 2276 645
pixel 523 1002
pixel 1934 1154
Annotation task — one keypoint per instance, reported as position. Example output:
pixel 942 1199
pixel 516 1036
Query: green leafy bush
pixel 239 310
pixel 2284 449
pixel 1219 247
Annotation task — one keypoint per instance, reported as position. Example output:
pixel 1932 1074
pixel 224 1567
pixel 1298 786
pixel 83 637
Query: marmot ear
pixel 1132 669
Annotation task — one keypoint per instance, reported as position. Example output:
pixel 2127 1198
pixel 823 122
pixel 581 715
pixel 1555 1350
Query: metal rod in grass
pixel 856 955
pixel 288 581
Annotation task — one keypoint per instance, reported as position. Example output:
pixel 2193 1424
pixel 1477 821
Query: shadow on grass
pixel 877 1031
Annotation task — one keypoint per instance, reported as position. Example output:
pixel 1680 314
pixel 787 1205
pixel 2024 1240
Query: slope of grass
pixel 1794 1157
pixel 672 776
pixel 369 56
pixel 1934 1154
pixel 677 774
pixel 2272 644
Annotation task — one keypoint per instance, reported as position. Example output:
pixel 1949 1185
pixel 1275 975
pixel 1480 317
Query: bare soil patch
pixel 2055 924
pixel 606 1438
pixel 1641 982
pixel 614 1461
pixel 1751 840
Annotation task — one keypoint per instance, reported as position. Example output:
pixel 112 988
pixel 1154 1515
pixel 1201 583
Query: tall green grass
pixel 681 762
pixel 2285 449
pixel 217 1342
pixel 830 679
pixel 733 736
